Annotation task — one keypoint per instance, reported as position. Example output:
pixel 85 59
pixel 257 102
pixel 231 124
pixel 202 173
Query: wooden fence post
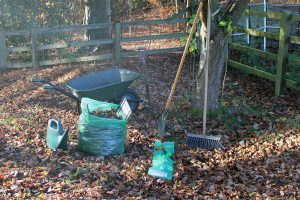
pixel 34 38
pixel 3 51
pixel 117 44
pixel 282 60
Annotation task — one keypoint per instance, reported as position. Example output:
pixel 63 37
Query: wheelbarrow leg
pixel 78 107
pixel 145 77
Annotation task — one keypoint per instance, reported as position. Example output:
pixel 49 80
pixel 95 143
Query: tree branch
pixel 233 9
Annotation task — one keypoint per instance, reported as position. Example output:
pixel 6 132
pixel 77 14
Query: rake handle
pixel 206 68
pixel 180 67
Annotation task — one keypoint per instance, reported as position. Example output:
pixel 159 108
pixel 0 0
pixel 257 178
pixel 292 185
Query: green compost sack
pixel 97 135
pixel 162 163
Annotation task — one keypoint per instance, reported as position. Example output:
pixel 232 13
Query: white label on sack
pixel 158 173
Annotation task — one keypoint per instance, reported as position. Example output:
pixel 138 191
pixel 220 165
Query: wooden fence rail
pixel 282 58
pixel 122 39
pixel 116 41
pixel 35 48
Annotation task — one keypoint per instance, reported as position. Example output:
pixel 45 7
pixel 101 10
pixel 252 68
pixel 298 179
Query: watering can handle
pixel 53 121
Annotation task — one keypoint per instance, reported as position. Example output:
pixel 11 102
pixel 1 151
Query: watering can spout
pixel 57 138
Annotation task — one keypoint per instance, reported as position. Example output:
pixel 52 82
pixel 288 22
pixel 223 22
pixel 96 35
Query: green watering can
pixel 57 138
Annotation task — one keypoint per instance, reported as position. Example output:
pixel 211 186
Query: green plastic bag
pixel 100 136
pixel 162 163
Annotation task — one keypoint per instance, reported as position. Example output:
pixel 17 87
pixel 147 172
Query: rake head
pixel 203 141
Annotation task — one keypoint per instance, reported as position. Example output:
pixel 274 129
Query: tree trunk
pixel 231 10
pixel 97 11
pixel 216 69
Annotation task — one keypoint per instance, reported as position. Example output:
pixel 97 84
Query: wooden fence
pixel 120 38
pixel 34 48
pixel 282 57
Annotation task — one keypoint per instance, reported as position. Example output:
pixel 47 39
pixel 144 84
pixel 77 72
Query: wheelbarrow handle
pixel 56 87
pixel 36 80
pixel 59 89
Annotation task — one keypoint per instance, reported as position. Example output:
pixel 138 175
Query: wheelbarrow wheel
pixel 132 98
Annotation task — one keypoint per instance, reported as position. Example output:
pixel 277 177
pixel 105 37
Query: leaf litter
pixel 261 159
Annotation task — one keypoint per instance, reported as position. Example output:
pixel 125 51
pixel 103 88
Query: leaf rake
pixel 205 141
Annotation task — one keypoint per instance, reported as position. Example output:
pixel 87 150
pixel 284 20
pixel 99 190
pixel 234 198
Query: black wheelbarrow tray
pixel 108 85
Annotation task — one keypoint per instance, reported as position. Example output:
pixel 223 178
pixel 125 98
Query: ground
pixel 260 132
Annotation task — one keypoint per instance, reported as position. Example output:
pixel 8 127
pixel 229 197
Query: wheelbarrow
pixel 109 85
